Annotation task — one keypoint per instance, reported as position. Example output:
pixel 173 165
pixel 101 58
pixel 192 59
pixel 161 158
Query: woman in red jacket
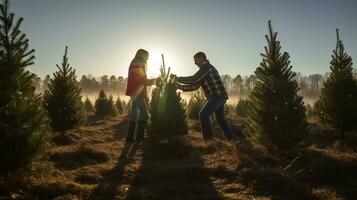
pixel 137 90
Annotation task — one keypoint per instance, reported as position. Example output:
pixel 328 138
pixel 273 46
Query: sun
pixel 155 61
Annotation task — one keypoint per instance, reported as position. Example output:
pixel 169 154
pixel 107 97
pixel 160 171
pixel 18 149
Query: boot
pixel 140 131
pixel 129 137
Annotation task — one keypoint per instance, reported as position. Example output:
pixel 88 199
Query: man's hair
pixel 200 55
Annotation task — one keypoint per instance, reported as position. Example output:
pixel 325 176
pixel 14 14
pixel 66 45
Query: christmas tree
pixel 111 106
pixel 104 106
pixel 337 105
pixel 24 127
pixel 167 114
pixel 63 99
pixel 119 105
pixel 88 106
pixel 276 114
pixel 195 105
pixel 242 107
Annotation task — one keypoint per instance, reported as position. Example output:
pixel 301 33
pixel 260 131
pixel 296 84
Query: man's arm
pixel 196 78
pixel 188 87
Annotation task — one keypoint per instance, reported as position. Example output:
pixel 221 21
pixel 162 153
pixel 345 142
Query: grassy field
pixel 93 162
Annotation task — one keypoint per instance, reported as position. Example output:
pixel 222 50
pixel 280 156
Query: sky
pixel 103 36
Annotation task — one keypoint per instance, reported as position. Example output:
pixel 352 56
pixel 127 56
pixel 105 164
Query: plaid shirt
pixel 208 78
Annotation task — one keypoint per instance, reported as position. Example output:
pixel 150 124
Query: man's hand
pixel 173 77
pixel 158 82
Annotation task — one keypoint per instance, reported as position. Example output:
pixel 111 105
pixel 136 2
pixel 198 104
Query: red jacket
pixel 137 81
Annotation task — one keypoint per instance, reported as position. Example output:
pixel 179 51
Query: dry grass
pixel 94 163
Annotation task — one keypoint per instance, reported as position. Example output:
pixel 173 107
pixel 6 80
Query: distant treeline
pixel 241 86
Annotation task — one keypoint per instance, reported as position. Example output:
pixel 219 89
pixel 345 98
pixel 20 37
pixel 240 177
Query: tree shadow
pixel 332 170
pixel 108 187
pixel 93 120
pixel 82 157
pixel 121 128
pixel 171 170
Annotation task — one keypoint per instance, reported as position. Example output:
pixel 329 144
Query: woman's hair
pixel 141 57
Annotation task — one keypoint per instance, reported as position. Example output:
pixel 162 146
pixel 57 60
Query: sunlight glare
pixel 155 61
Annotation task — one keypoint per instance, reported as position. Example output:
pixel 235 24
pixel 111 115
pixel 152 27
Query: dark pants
pixel 215 105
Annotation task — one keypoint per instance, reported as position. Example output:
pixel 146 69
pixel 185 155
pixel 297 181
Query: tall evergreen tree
pixel 24 127
pixel 63 99
pixel 337 105
pixel 276 114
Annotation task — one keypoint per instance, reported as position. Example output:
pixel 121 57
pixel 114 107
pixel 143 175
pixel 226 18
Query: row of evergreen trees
pixel 26 118
pixel 276 115
pixel 63 100
pixel 24 125
pixel 275 112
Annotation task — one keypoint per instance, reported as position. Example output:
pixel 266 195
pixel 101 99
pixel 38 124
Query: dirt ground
pixel 93 162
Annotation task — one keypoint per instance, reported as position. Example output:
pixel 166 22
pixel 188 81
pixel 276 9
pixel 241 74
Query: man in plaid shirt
pixel 209 79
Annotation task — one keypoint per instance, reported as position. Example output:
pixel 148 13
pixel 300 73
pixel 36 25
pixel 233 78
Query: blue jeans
pixel 139 111
pixel 215 105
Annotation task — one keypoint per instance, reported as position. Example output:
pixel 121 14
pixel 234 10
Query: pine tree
pixel 104 106
pixel 167 114
pixel 173 118
pixel 88 106
pixel 24 127
pixel 112 107
pixel 128 105
pixel 276 115
pixel 195 105
pixel 63 99
pixel 242 107
pixel 337 105
pixel 119 105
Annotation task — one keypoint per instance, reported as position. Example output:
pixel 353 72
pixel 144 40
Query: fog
pixel 233 99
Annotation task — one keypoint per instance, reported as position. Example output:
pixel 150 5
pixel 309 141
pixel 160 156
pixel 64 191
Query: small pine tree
pixel 88 106
pixel 63 99
pixel 104 106
pixel 167 114
pixel 24 126
pixel 337 104
pixel 154 110
pixel 309 110
pixel 242 107
pixel 173 120
pixel 276 114
pixel 194 105
pixel 112 107
pixel 168 117
pixel 124 106
pixel 119 105
pixel 128 106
